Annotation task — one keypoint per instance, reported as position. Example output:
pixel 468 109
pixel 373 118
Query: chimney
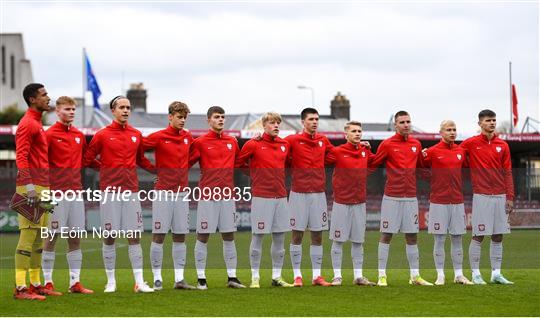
pixel 340 107
pixel 137 97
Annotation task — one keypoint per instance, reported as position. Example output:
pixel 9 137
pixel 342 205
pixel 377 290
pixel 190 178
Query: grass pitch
pixel 521 264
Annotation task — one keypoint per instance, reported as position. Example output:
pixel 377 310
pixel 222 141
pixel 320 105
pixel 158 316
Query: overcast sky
pixel 439 60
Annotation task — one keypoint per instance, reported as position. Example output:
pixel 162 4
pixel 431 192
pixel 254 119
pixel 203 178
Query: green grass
pixel 521 264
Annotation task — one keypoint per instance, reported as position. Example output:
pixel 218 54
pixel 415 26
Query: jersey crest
pixel 283 148
pixel 229 146
pixel 78 140
pixel 133 138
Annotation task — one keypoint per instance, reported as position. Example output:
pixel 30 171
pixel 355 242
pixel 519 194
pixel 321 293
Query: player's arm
pixel 366 144
pixel 92 151
pixel 466 161
pixel 423 164
pixel 243 158
pixel 329 145
pixel 370 157
pixel 289 157
pixel 508 180
pixel 236 147
pixel 289 139
pixel 23 142
pixel 425 158
pixel 150 142
pixel 189 137
pixel 380 156
pixel 466 165
pixel 330 158
pixel 328 150
pixel 94 164
pixel 49 137
pixel 194 153
pixel 465 144
pixel 142 161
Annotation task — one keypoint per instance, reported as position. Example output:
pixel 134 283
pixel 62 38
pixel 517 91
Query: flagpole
pixel 511 99
pixel 83 87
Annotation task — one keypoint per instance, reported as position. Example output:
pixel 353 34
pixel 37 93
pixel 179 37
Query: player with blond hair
pixel 348 219
pixel 446 209
pixel 66 145
pixel 267 158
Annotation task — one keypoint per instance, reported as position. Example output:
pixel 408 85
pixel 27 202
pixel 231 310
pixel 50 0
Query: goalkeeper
pixel 32 178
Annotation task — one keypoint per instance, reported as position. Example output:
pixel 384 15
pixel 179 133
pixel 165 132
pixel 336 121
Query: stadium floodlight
pixel 312 93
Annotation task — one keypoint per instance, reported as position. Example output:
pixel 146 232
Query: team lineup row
pixel 116 151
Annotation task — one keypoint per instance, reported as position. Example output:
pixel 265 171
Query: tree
pixel 503 127
pixel 11 115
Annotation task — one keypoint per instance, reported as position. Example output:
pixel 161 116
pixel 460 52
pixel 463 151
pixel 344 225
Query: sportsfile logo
pixel 118 194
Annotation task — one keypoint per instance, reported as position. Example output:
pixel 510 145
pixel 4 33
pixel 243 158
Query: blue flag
pixel 91 83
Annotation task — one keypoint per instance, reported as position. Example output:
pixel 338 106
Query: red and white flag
pixel 515 117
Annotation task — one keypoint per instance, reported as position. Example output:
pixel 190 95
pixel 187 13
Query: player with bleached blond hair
pixel 446 209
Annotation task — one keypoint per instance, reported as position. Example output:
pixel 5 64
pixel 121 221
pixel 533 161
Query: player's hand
pixel 424 152
pixel 31 197
pixel 257 136
pixel 366 144
pixel 509 206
